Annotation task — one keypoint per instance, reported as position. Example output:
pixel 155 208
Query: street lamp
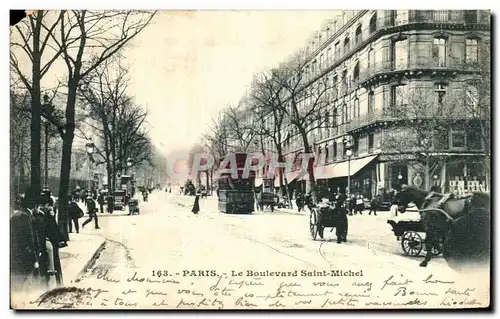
pixel 48 108
pixel 90 149
pixel 425 144
pixel 348 153
pixel 129 164
pixel 400 177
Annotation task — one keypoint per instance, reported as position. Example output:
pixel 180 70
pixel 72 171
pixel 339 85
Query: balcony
pixel 370 118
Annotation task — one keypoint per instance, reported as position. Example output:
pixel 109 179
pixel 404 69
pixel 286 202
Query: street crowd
pixel 36 236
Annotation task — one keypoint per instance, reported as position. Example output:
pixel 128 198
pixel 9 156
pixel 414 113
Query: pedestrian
pixel 360 204
pixel 24 261
pixel 352 205
pixel 196 205
pixel 74 213
pixel 100 201
pixel 54 241
pixel 92 211
pixel 145 196
pixel 375 204
pixel 109 203
pixel 299 201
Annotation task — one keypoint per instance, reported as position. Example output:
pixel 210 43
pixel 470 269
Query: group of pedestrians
pixel 35 243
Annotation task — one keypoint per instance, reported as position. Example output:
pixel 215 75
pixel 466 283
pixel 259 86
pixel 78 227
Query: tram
pixel 236 195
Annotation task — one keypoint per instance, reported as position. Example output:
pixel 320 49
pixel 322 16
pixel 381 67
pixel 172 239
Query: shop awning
pixel 341 169
pixel 258 182
pixel 290 177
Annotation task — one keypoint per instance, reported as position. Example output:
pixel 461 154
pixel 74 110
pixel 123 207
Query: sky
pixel 188 65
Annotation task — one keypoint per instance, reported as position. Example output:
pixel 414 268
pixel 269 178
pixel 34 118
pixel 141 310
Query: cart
pixel 328 215
pixel 412 236
pixel 267 199
pixel 133 207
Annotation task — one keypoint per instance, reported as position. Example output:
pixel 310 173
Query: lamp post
pixel 348 153
pixel 129 164
pixel 435 177
pixel 400 177
pixel 48 109
pixel 90 149
pixel 425 144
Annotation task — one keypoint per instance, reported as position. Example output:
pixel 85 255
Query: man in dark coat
pixel 74 213
pixel 92 211
pixel 100 201
pixel 23 249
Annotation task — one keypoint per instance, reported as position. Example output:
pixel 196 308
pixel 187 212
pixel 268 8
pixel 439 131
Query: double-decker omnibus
pixel 236 195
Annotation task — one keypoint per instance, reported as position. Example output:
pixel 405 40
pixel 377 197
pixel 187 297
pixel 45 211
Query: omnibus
pixel 236 196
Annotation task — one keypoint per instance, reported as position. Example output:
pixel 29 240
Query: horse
pixel 463 223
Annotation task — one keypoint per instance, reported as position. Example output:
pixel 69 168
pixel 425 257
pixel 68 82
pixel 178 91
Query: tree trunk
pixel 310 182
pixel 66 159
pixel 35 145
pixel 283 179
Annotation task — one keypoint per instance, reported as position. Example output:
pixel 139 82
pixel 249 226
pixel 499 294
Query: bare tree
pixel 306 98
pixel 239 136
pixel 115 119
pixel 270 118
pixel 31 45
pixel 421 119
pixel 84 40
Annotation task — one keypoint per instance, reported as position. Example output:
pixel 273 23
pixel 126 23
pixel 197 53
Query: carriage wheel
pixel 313 227
pixel 411 242
pixel 321 230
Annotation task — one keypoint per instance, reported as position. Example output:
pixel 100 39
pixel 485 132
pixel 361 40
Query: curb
pixel 92 260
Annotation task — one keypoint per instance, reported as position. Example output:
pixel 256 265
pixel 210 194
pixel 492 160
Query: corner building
pixel 371 57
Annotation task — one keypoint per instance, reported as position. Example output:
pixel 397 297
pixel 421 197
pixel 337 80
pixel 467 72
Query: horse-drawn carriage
pixel 267 199
pixel 328 214
pixel 459 227
pixel 411 233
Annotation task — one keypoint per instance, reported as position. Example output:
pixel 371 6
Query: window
pixel 370 142
pixel 441 15
pixel 344 18
pixel 358 37
pixel 400 54
pixel 442 138
pixel 373 23
pixel 470 16
pixel 335 26
pixel 337 50
pixel 474 136
pixel 471 50
pixel 328 32
pixel 334 152
pixel 439 51
pixel 346 45
pixel 355 108
pixel 399 96
pixel 457 136
pixel 320 38
pixel 321 61
pixel 327 119
pixel 440 91
pixel 371 58
pixel 328 55
pixel 345 113
pixel 355 74
pixel 326 154
pixel 313 68
pixel 371 102
pixel 472 100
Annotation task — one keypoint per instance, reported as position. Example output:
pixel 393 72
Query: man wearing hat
pixel 92 211
pixel 25 248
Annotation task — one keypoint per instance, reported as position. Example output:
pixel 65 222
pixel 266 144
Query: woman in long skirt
pixel 196 206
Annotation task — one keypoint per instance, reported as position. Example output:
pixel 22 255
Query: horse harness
pixel 467 199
